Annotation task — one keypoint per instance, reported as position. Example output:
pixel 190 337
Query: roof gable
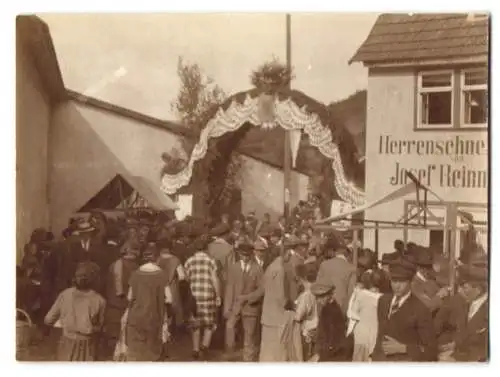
pixel 35 36
pixel 414 38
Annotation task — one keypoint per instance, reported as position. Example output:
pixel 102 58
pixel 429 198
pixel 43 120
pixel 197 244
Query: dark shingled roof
pixel 405 38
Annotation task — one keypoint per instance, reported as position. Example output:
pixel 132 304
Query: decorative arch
pixel 292 110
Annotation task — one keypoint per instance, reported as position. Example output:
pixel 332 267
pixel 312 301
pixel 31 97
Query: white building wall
pixel 391 113
pixel 32 128
pixel 84 132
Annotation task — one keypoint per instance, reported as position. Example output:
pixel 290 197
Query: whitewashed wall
pixel 88 139
pixel 391 112
pixel 32 130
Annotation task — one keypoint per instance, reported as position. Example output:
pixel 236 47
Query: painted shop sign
pixel 457 173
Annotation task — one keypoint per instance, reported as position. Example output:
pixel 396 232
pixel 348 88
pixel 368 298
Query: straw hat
pixel 84 227
pixel 260 244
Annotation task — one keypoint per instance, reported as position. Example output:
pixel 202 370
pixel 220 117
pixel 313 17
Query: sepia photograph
pixel 252 187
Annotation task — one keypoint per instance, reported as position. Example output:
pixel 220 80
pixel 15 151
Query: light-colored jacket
pixel 342 274
pixel 273 307
pixel 222 252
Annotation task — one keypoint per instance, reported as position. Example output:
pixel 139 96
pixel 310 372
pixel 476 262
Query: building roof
pixel 175 128
pixel 414 38
pixel 34 35
pixel 122 186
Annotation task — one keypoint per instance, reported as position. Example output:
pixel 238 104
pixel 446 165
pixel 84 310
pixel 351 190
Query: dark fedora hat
pixel 388 258
pixel 220 230
pixel 422 257
pixel 201 242
pixel 402 269
pixel 472 273
pixel 334 241
pixel 245 249
pixel 475 255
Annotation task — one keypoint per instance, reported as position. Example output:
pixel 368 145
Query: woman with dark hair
pixel 145 317
pixel 362 313
pixel 117 286
pixel 174 273
pixel 80 311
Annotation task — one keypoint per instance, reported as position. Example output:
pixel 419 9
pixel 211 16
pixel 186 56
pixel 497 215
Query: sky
pixel 131 59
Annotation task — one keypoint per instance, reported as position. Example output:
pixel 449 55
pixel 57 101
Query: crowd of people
pixel 263 291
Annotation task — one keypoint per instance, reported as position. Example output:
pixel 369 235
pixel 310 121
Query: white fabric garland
pixel 289 116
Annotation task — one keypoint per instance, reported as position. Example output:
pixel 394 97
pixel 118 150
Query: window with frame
pixel 452 98
pixel 474 109
pixel 478 218
pixel 435 91
pixel 437 239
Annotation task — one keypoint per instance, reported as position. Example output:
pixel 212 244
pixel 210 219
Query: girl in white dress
pixel 362 313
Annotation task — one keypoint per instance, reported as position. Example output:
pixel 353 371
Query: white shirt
pixel 401 301
pixel 259 261
pixel 244 266
pixel 421 276
pixel 476 305
pixel 85 244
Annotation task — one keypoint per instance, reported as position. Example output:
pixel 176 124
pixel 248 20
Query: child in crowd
pixel 332 344
pixel 80 311
pixel 362 313
pixel 306 308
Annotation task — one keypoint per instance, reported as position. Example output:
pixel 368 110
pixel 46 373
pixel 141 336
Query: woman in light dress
pixel 362 313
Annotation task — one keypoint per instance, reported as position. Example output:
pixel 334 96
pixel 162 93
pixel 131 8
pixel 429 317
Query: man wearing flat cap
pixel 463 325
pixel 243 301
pixel 331 341
pixel 406 331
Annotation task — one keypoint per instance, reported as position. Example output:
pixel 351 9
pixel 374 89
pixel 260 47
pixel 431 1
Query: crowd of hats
pixel 471 266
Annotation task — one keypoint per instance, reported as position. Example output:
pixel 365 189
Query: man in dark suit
pixel 339 271
pixel 462 324
pixel 261 252
pixel 80 248
pixel 406 331
pixel 423 285
pixel 243 301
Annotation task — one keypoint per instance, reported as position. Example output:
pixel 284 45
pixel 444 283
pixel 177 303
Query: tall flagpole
pixel 287 154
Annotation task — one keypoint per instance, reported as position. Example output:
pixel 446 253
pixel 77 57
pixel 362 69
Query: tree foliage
pixel 197 95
